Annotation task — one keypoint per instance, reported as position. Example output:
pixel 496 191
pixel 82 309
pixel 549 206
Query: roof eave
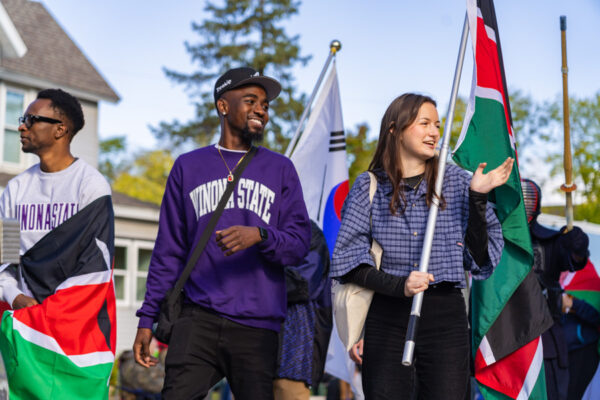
pixel 11 42
pixel 136 213
pixel 28 80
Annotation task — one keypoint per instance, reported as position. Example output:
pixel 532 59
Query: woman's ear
pixel 391 127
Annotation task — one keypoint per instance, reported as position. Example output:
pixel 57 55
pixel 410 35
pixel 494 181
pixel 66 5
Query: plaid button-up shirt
pixel 401 236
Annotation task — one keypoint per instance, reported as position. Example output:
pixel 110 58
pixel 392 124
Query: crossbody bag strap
pixel 372 190
pixel 210 227
pixel 376 249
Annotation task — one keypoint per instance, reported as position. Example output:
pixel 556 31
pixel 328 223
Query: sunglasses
pixel 30 119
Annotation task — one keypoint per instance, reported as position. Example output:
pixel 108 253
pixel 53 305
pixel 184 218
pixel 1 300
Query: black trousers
pixel 206 347
pixel 582 366
pixel 557 379
pixel 441 366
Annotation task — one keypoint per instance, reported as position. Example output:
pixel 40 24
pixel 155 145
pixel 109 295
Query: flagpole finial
pixel 335 46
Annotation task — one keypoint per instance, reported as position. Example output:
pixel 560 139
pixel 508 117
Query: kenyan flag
pixel 64 347
pixel 584 284
pixel 509 312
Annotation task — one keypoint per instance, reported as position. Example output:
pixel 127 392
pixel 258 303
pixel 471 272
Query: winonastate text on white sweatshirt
pixel 41 201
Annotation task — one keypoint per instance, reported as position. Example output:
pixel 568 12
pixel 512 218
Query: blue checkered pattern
pixel 297 341
pixel 402 235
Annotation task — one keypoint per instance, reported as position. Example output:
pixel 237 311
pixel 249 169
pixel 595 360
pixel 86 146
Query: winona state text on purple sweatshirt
pixel 247 287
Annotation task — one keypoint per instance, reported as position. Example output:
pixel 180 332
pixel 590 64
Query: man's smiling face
pixel 247 112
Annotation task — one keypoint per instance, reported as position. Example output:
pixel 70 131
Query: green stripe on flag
pixel 490 296
pixel 592 297
pixel 489 393
pixel 487 139
pixel 487 136
pixel 44 374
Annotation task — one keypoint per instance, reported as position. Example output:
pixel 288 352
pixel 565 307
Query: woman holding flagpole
pixel 468 237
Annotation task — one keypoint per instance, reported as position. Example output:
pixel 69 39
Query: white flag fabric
pixel 339 364
pixel 320 160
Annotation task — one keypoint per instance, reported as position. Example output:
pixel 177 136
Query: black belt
pixel 443 286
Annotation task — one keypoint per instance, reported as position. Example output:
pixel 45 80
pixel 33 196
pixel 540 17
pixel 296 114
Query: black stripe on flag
pixel 338 148
pixel 526 309
pixel 70 249
pixel 337 141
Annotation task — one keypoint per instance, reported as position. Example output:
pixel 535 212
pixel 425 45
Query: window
pixel 11 143
pixel 141 273
pixel 120 272
pixel 132 258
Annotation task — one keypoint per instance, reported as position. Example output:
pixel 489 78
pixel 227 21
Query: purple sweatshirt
pixel 247 287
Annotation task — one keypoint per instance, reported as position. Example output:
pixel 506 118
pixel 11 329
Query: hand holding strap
pixel 210 227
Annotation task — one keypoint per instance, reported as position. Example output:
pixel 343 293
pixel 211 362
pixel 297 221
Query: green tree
pixel 146 176
pixel 110 159
pixel 359 150
pixel 585 145
pixel 238 33
pixel 459 114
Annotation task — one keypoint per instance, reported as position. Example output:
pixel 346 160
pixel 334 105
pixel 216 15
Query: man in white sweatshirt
pixel 61 291
pixel 48 193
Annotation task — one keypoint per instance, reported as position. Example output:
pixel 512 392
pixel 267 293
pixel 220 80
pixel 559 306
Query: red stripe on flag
pixel 4 306
pixel 508 374
pixel 339 197
pixel 488 64
pixel 489 74
pixel 70 316
pixel 585 279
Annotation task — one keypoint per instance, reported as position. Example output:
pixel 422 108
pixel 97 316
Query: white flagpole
pixel 415 312
pixel 334 47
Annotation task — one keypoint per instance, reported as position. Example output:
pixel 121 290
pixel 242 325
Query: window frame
pixel 131 273
pixel 6 125
pixel 25 160
pixel 123 272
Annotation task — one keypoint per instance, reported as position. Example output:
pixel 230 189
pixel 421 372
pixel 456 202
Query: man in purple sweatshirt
pixel 235 298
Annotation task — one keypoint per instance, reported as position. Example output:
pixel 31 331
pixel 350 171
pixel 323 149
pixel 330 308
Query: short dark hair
pixel 67 105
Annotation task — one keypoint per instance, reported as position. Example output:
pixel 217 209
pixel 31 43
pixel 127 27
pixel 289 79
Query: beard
pixel 251 138
pixel 27 147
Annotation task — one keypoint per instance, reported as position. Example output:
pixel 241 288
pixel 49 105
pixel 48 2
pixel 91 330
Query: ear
pixel 222 106
pixel 62 131
pixel 391 127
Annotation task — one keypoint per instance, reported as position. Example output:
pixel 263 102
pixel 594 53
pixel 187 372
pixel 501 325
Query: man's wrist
pixel 264 234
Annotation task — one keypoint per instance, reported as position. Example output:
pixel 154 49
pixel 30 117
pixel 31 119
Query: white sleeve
pixel 9 286
pixel 5 204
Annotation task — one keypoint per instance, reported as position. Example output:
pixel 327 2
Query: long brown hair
pixel 400 114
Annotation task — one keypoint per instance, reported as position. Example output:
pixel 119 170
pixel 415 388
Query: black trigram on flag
pixel 337 141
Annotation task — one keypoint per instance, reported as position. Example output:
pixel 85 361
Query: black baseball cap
pixel 237 77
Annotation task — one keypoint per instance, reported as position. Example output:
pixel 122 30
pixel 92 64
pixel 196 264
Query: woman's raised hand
pixel 484 183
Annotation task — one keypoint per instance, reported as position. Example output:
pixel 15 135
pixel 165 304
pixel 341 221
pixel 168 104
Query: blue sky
pixel 388 48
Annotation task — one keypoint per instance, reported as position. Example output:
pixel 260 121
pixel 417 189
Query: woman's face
pixel 419 140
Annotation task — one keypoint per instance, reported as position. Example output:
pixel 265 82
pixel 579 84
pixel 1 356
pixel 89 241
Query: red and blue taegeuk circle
pixel 332 216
